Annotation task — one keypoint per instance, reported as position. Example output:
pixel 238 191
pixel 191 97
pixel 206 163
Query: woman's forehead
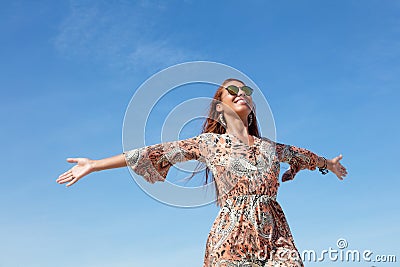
pixel 237 83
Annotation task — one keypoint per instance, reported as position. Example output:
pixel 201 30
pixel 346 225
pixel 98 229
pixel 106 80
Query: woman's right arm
pixel 85 166
pixel 152 162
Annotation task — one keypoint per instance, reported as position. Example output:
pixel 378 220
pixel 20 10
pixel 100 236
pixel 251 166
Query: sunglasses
pixel 234 90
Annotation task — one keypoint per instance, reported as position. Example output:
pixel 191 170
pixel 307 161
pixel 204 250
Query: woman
pixel 250 229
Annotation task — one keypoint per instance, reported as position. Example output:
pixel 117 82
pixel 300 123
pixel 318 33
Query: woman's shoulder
pixel 268 141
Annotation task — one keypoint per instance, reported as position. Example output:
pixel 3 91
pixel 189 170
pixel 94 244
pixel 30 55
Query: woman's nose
pixel 241 92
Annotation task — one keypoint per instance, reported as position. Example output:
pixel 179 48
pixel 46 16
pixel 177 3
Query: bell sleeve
pixel 298 159
pixel 153 162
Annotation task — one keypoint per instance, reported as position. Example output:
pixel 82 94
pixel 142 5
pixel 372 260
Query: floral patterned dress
pixel 250 228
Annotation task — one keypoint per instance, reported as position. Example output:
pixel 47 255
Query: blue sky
pixel 329 70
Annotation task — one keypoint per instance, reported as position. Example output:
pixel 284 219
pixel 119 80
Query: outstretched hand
pixel 336 167
pixel 82 168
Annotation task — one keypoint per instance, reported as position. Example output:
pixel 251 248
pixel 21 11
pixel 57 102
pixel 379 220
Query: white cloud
pixel 157 53
pixel 122 35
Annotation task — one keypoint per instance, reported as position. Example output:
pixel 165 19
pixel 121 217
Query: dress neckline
pixel 255 138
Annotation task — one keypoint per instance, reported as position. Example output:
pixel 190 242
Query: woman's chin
pixel 243 113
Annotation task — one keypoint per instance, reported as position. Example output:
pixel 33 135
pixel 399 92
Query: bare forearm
pixel 116 161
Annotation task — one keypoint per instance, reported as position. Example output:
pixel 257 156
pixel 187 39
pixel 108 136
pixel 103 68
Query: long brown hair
pixel 213 125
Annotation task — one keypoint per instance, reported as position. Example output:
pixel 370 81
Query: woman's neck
pixel 238 129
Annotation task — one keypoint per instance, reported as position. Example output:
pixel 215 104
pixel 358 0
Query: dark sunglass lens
pixel 233 90
pixel 247 90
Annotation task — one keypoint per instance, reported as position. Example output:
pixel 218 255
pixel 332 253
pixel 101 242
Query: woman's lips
pixel 241 101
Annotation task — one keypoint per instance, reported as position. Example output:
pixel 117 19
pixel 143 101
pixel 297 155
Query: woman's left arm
pixel 300 158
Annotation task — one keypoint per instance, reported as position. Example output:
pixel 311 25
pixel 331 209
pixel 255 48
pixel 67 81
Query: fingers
pixel 63 181
pixel 68 175
pixel 340 175
pixel 338 168
pixel 341 172
pixel 71 179
pixel 74 180
pixel 65 177
pixel 341 168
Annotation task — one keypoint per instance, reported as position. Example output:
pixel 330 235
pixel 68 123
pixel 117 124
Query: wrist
pixel 329 164
pixel 323 165
pixel 321 162
pixel 94 165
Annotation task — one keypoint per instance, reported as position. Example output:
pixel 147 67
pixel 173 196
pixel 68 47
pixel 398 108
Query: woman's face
pixel 240 104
